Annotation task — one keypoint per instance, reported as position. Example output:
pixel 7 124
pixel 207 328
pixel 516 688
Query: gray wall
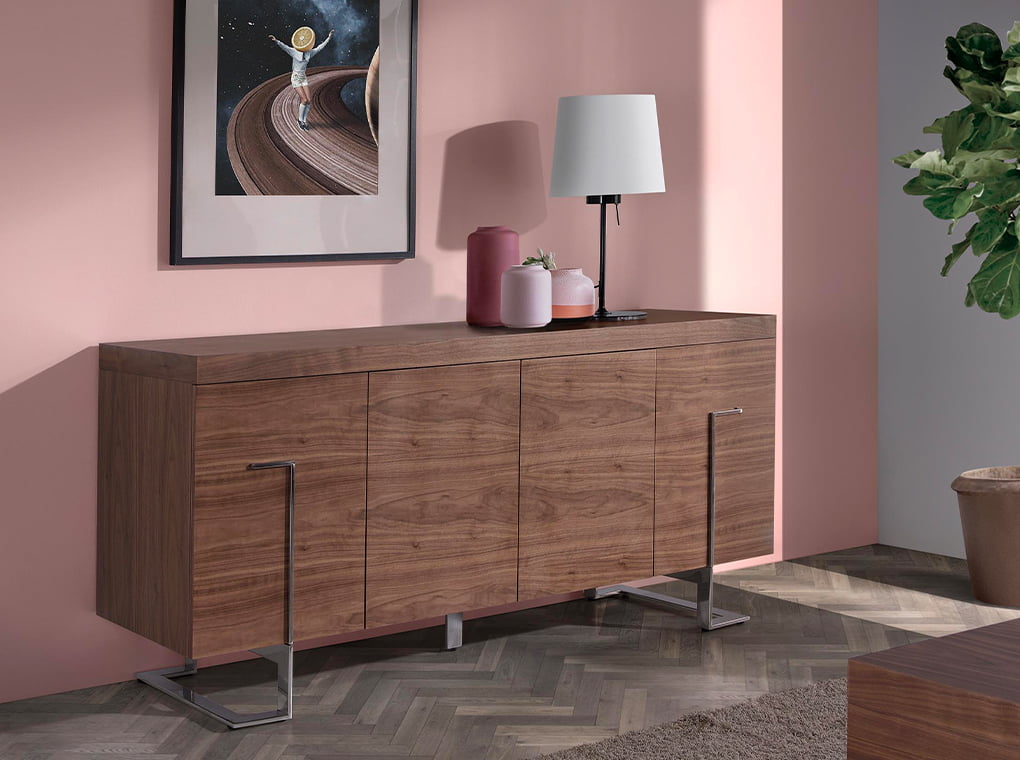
pixel 949 376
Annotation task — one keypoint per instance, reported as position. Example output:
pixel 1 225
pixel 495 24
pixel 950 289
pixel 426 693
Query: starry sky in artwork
pixel 246 56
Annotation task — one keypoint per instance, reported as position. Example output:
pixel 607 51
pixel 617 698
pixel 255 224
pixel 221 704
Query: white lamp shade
pixel 606 145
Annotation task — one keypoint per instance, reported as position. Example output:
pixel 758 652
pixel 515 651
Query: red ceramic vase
pixel 490 252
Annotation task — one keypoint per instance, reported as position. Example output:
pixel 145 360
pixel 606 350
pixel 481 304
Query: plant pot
pixel 990 514
pixel 526 296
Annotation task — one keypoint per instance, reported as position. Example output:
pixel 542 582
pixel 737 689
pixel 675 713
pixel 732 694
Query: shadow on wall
pixel 409 294
pixel 492 175
pixel 48 539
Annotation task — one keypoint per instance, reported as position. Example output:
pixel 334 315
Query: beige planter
pixel 990 513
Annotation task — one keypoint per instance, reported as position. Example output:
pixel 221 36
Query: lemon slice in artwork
pixel 303 39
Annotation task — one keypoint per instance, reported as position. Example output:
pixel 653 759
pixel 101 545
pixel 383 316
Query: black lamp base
pixel 602 314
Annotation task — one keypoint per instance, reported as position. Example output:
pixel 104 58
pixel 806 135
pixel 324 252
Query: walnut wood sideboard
pixel 260 489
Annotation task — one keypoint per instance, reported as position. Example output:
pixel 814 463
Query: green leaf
pixel 982 169
pixel 919 186
pixel 956 127
pixel 978 42
pixel 964 201
pixel 1003 190
pixel 1012 52
pixel 976 89
pixel 927 183
pixel 989 133
pixel 931 161
pixel 969 299
pixel 961 57
pixel 908 158
pixel 935 128
pixel 1013 35
pixel 1000 154
pixel 942 202
pixel 989 230
pixel 996 286
pixel 981 94
pixel 1007 108
pixel 957 251
pixel 1011 81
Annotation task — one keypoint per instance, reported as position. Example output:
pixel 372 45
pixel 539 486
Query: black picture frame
pixel 209 226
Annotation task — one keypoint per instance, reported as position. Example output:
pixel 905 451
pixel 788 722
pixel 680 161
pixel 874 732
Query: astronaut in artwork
pixel 303 50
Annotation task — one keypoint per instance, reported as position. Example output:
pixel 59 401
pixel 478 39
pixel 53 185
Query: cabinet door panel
pixel 442 490
pixel 240 515
pixel 691 382
pixel 587 441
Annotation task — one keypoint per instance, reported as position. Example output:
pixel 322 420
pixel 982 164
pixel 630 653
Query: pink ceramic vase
pixel 573 294
pixel 490 252
pixel 526 296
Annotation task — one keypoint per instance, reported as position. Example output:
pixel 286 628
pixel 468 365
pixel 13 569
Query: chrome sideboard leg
pixel 454 630
pixel 280 654
pixel 709 617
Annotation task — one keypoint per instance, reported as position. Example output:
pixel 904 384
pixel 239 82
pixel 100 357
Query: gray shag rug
pixel 801 724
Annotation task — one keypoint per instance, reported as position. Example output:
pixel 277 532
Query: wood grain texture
pixel 587 447
pixel 280 355
pixel 983 660
pixel 691 382
pixel 442 490
pixel 240 515
pixel 143 574
pixel 890 737
pixel 953 698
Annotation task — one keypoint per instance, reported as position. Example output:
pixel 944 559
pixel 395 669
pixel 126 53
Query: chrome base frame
pixel 709 617
pixel 281 654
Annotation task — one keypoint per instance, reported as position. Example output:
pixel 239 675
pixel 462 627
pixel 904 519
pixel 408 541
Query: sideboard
pixel 260 489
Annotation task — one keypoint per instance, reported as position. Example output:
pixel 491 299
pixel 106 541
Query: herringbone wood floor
pixel 529 682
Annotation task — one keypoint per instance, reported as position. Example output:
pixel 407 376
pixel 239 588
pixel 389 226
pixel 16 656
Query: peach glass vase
pixel 573 294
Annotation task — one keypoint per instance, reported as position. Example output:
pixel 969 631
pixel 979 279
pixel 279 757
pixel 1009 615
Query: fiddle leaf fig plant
pixel 976 170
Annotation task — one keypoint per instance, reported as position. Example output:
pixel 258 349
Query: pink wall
pixel 85 217
pixel 830 277
pixel 742 180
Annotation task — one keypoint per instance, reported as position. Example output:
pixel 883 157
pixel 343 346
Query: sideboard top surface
pixel 235 358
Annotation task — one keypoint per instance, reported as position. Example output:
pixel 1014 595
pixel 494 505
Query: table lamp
pixel 606 146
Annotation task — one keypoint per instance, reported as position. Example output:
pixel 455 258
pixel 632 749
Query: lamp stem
pixel 602 256
pixel 602 312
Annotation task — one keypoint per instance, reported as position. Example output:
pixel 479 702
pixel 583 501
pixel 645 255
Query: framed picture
pixel 293 130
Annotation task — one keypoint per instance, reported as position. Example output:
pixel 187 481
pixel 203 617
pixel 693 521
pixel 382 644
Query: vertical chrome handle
pixel 289 597
pixel 712 416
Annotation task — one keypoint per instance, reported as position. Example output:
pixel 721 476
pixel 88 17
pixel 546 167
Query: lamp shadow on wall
pixel 492 175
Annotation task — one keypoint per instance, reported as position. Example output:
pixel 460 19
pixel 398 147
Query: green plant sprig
pixel 547 260
pixel 976 171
